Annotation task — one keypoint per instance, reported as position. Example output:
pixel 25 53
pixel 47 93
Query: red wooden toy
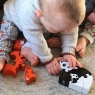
pixel 18 44
pixel 20 62
pixel 10 69
pixel 29 75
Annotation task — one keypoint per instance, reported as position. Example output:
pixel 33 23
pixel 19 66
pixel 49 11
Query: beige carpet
pixel 46 84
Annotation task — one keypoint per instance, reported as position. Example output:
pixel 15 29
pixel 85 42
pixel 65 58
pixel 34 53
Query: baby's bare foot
pixel 54 42
pixel 81 46
pixel 30 56
pixel 2 63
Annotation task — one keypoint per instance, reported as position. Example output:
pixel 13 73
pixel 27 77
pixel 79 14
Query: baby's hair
pixel 73 7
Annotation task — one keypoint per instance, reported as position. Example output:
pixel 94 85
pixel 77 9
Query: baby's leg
pixel 81 45
pixel 54 42
pixel 30 56
pixel 2 63
pixel 8 33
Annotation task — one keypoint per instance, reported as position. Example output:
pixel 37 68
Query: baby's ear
pixel 39 13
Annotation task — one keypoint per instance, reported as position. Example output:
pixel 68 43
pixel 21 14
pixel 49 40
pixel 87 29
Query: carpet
pixel 46 84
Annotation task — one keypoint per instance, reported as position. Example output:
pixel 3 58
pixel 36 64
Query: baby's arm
pixel 32 30
pixel 69 41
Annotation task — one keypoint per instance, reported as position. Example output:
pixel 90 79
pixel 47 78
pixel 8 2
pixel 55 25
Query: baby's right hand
pixel 53 67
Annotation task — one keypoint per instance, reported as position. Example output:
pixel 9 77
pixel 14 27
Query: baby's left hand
pixel 91 18
pixel 73 62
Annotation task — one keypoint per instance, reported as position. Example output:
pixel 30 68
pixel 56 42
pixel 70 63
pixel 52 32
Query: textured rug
pixel 46 84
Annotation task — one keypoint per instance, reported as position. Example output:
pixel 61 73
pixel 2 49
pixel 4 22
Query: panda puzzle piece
pixel 79 79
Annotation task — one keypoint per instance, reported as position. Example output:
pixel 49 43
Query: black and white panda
pixel 70 75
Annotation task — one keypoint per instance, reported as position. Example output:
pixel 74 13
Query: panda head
pixel 65 66
pixel 74 76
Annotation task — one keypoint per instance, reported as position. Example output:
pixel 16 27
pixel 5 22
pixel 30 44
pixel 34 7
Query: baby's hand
pixel 91 18
pixel 54 67
pixel 73 62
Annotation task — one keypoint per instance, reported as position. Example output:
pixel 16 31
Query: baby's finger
pixel 53 70
pixel 57 71
pixel 49 71
pixel 79 64
pixel 58 67
pixel 74 64
pixel 70 62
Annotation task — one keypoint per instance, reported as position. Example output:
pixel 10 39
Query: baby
pixel 32 17
pixel 88 35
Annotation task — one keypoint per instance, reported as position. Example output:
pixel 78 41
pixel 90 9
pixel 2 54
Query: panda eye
pixel 68 67
pixel 73 75
pixel 64 65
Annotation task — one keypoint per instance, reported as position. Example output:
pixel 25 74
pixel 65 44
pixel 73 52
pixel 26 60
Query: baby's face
pixel 59 23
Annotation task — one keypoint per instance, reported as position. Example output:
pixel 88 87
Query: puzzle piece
pixel 87 82
pixel 18 44
pixel 78 79
pixel 65 66
pixel 29 75
pixel 10 69
pixel 78 86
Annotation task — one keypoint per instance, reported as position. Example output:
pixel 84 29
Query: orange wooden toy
pixel 18 44
pixel 29 75
pixel 20 62
pixel 10 69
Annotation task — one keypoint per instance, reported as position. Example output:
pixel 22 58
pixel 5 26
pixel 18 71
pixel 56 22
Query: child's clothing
pixel 8 33
pixel 89 29
pixel 21 14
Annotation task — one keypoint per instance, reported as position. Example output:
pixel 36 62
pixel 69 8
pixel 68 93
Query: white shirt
pixel 22 14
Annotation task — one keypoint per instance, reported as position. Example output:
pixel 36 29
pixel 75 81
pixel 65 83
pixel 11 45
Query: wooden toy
pixel 79 79
pixel 20 63
pixel 18 44
pixel 29 75
pixel 10 69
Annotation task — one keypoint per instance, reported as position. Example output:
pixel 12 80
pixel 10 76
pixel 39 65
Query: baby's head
pixel 61 15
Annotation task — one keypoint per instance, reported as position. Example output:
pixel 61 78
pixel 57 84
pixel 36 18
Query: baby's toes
pixel 34 61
